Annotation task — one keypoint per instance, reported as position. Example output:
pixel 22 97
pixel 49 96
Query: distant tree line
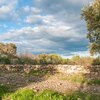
pixel 8 56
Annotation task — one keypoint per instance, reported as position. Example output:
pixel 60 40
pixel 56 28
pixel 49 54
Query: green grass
pixel 3 90
pixel 74 78
pixel 26 94
pixel 30 95
pixel 81 79
pixel 41 73
pixel 95 82
pixel 38 72
pixel 22 95
pixel 82 96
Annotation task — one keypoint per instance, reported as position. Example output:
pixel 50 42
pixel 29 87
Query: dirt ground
pixel 37 82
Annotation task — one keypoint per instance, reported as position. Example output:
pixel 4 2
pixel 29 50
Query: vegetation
pixel 8 56
pixel 3 90
pixel 82 96
pixel 86 61
pixel 80 78
pixel 95 82
pixel 26 94
pixel 91 14
pixel 9 49
pixel 77 78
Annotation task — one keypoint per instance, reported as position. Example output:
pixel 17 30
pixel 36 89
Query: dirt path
pixel 55 83
pixel 52 82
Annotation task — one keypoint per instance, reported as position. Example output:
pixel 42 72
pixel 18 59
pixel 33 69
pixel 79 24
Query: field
pixel 48 85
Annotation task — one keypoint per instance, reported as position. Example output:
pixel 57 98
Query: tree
pixel 91 14
pixel 8 48
pixel 1 48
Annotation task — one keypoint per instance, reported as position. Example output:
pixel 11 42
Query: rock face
pixel 69 69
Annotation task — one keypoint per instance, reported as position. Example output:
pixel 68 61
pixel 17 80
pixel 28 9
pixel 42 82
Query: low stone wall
pixel 25 68
pixel 69 69
pixel 72 69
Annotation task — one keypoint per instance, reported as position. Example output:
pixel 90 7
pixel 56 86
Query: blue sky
pixel 44 26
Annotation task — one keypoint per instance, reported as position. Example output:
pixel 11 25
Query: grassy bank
pixel 27 94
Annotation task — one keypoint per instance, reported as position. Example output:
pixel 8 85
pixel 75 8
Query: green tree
pixel 91 14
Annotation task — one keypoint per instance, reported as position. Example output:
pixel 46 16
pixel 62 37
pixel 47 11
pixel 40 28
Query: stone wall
pixel 69 69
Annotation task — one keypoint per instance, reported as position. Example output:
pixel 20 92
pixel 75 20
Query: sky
pixel 44 26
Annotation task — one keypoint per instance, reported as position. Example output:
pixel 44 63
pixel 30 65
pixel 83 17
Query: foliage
pixel 4 60
pixel 91 14
pixel 85 61
pixel 25 60
pixel 9 49
pixel 96 61
pixel 26 94
pixel 3 90
pixel 8 56
pixel 94 82
pixel 77 78
pixel 82 96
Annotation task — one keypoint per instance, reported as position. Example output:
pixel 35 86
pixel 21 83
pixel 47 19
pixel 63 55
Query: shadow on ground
pixel 15 80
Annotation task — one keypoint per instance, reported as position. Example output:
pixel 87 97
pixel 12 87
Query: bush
pixel 5 60
pixel 96 61
pixel 3 90
pixel 85 61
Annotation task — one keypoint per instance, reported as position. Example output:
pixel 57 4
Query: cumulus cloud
pixel 7 9
pixel 50 26
pixel 42 39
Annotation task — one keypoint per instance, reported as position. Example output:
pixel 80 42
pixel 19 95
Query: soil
pixel 49 81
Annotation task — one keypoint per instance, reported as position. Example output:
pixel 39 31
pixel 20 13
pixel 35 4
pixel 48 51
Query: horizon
pixel 44 26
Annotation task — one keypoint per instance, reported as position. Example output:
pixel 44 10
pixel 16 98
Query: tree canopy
pixel 91 14
pixel 8 48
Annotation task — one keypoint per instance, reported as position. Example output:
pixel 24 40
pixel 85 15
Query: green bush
pixel 5 60
pixel 96 61
pixel 85 61
pixel 3 90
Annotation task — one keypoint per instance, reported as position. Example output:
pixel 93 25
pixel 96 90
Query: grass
pixel 38 72
pixel 41 72
pixel 3 90
pixel 31 95
pixel 81 79
pixel 26 94
pixel 95 82
pixel 82 96
pixel 74 78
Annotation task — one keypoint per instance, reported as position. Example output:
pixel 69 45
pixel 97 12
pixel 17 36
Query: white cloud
pixel 31 10
pixel 40 37
pixel 7 9
pixel 33 18
pixel 79 1
pixel 49 26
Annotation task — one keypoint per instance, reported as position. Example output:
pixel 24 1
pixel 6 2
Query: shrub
pixel 3 90
pixel 85 61
pixel 96 61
